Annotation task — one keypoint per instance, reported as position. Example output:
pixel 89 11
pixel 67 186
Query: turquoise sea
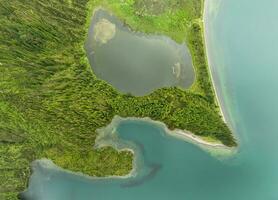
pixel 242 42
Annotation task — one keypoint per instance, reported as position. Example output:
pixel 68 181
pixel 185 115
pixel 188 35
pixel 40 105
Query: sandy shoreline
pixel 182 134
pixel 198 139
pixel 108 137
pixel 219 103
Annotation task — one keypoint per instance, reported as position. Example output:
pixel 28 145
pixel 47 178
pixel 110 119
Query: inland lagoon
pixel 242 56
pixel 134 62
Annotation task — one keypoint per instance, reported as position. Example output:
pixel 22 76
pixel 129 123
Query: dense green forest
pixel 51 103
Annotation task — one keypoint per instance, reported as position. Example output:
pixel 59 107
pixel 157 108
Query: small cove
pixel 134 62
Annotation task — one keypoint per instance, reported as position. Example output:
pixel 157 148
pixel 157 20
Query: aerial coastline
pixel 182 134
pixel 211 92
pixel 205 31
pixel 55 103
pixel 70 131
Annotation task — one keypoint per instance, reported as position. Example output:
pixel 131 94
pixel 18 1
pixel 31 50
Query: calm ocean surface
pixel 242 39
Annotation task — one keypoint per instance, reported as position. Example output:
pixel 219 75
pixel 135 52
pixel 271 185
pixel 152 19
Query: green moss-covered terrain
pixel 51 103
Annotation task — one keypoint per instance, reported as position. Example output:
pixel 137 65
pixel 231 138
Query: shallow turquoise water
pixel 243 46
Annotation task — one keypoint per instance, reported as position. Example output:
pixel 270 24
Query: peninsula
pixel 52 102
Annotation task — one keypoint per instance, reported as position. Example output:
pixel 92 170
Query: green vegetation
pixel 51 103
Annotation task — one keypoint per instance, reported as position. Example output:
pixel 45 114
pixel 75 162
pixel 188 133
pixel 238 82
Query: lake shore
pixel 171 59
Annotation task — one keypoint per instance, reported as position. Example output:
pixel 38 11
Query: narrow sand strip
pixel 219 103
pixel 198 139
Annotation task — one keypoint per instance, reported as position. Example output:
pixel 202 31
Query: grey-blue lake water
pixel 134 62
pixel 243 46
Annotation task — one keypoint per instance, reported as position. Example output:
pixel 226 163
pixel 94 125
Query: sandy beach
pixel 182 134
pixel 198 139
pixel 219 103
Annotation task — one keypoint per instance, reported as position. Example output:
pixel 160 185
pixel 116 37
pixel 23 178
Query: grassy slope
pixel 51 103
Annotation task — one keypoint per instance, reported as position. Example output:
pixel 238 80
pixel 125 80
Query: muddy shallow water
pixel 134 62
